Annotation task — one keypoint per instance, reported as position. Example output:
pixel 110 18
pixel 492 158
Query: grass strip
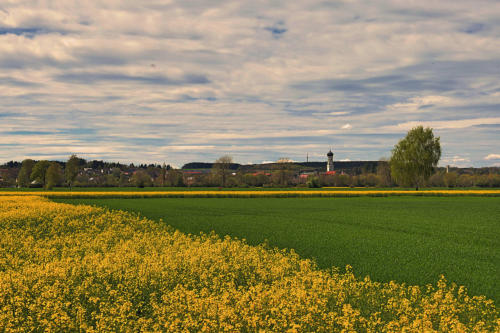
pixel 251 194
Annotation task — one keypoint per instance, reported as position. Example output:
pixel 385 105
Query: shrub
pixel 313 182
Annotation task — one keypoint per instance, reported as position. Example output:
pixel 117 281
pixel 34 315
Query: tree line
pixel 78 172
pixel 48 174
pixel 413 163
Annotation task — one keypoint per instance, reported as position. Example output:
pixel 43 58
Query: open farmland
pixel 67 268
pixel 407 239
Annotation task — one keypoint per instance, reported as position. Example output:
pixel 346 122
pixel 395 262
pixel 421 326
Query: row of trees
pixel 283 175
pixel 438 179
pixel 78 172
pixel 48 174
pixel 454 179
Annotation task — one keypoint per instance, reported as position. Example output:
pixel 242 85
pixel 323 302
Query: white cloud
pixel 456 160
pixel 459 159
pixel 187 147
pixel 447 124
pixel 492 157
pixel 420 104
pixel 69 66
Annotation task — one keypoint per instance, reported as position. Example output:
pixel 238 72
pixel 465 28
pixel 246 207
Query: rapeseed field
pixel 74 268
pixel 249 194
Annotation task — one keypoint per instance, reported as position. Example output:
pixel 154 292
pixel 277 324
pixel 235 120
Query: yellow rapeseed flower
pixel 249 194
pixel 83 268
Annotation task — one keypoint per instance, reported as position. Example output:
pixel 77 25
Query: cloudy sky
pixel 179 81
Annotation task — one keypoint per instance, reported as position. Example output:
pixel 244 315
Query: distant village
pixel 282 173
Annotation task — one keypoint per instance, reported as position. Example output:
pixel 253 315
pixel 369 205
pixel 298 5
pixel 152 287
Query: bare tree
pixel 384 172
pixel 163 174
pixel 284 166
pixel 222 167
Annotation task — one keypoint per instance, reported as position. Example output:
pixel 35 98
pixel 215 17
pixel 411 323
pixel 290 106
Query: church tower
pixel 329 165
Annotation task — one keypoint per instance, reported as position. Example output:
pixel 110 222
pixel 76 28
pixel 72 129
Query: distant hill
pixel 351 166
pixel 203 165
pixel 369 166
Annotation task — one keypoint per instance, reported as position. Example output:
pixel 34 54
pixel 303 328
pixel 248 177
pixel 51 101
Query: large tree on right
pixel 414 158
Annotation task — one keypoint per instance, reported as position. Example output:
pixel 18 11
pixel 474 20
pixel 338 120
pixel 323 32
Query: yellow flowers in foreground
pixel 70 268
pixel 250 194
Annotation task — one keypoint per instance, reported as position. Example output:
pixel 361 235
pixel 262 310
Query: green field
pixel 407 239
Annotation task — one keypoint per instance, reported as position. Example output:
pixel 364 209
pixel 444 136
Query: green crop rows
pixel 406 239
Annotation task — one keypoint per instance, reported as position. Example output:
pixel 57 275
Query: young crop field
pixel 407 239
pixel 80 268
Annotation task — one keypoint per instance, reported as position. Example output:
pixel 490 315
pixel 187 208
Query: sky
pixel 155 81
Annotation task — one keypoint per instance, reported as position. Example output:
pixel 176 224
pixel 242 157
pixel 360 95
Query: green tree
pixel 39 171
pixel 437 179
pixel 53 176
pixel 222 167
pixel 116 172
pixel 111 180
pixel 313 182
pixel 414 158
pixel 450 179
pixel 72 170
pixel 175 178
pixel 141 179
pixel 124 180
pixel 23 178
